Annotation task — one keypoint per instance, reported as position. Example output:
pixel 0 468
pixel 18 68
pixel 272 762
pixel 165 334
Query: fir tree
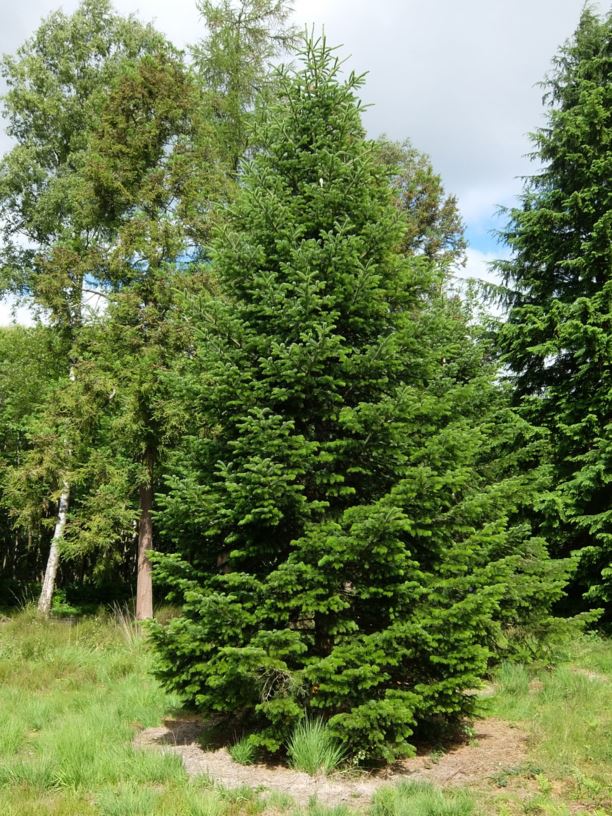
pixel 558 339
pixel 345 525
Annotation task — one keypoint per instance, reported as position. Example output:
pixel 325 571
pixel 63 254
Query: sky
pixel 457 77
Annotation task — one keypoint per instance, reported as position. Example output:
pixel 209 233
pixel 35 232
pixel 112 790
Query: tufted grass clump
pixel 313 749
pixel 243 751
pixel 512 678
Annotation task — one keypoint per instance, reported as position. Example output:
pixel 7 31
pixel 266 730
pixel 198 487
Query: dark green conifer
pixel 345 527
pixel 558 339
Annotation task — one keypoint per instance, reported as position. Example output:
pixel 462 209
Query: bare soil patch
pixel 495 747
pixel 590 675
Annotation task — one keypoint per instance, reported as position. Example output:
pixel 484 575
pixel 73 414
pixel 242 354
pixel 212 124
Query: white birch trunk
pixel 48 587
pixel 144 579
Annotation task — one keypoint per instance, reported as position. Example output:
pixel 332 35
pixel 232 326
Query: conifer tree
pixel 558 338
pixel 30 369
pixel 433 223
pixel 150 165
pixel 345 527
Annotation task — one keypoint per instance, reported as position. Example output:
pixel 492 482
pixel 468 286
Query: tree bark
pixel 144 580
pixel 48 587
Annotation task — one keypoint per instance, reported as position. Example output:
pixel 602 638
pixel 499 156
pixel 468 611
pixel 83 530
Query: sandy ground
pixel 495 747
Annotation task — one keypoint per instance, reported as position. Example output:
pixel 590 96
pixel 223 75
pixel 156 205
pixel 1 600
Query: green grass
pixel 567 712
pixel 243 751
pixel 512 679
pixel 72 696
pixel 313 749
pixel 421 799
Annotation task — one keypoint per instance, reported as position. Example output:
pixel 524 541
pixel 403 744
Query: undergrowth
pixel 243 751
pixel 74 693
pixel 313 749
pixel 421 799
pixel 567 711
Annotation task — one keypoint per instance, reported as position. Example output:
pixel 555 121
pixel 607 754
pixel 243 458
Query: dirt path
pixel 496 746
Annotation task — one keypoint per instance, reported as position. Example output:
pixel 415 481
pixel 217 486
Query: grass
pixel 512 679
pixel 74 693
pixel 421 799
pixel 71 698
pixel 567 711
pixel 243 751
pixel 313 749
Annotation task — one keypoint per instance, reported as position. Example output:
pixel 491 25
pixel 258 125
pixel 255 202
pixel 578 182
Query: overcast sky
pixel 458 77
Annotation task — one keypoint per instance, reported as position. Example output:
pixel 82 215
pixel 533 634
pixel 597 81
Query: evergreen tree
pixel 558 338
pixel 152 170
pixel 434 226
pixel 344 517
pixel 30 369
pixel 112 184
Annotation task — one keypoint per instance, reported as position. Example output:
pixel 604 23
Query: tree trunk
pixel 144 580
pixel 48 587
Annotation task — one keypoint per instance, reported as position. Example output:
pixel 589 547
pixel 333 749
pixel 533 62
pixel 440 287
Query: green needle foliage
pixel 344 520
pixel 433 222
pixel 30 371
pixel 558 339
pixel 233 63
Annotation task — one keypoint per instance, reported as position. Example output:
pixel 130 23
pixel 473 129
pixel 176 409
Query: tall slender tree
pixel 152 173
pixel 558 338
pixel 49 249
pixel 234 61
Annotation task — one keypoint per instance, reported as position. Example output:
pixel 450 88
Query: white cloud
pixel 478 265
pixel 478 268
pixel 11 312
pixel 458 78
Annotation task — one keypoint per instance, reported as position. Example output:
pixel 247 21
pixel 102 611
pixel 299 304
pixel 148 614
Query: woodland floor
pixel 86 731
pixel 493 746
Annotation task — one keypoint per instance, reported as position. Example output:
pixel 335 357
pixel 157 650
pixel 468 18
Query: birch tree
pixel 49 252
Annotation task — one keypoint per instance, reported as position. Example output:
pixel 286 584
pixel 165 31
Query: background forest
pixel 259 391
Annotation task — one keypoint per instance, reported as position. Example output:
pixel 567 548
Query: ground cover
pixel 76 697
